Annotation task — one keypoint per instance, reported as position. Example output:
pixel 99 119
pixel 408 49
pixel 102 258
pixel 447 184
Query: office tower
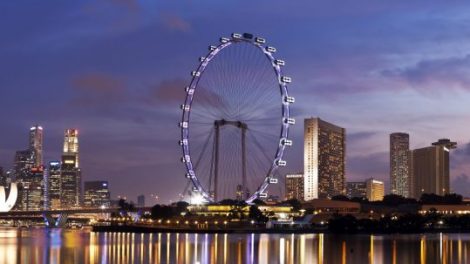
pixel 356 189
pixel 53 185
pixel 70 171
pixel 295 186
pixel 400 176
pixel 35 144
pixel 23 163
pixel 431 168
pixel 141 200
pixel 324 159
pixel 96 194
pixel 375 190
pixel 31 191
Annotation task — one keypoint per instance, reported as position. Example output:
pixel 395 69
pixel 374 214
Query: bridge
pixel 59 218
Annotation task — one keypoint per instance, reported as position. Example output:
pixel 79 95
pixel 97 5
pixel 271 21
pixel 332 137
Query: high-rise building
pixel 35 144
pixel 23 163
pixel 141 200
pixel 70 171
pixel 356 189
pixel 31 191
pixel 431 168
pixel 324 159
pixel 375 190
pixel 53 185
pixel 295 186
pixel 400 176
pixel 96 194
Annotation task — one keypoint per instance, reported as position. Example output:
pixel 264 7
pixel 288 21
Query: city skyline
pixel 124 98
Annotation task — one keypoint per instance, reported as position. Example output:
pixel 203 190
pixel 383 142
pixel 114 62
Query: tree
pixel 296 204
pixel 340 197
pixel 125 206
pixel 162 211
pixel 256 214
pixel 394 200
pixel 431 198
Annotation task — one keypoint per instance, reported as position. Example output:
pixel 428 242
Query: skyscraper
pixel 324 159
pixel 31 195
pixel 400 176
pixel 431 168
pixel 35 144
pixel 53 185
pixel 70 171
pixel 375 190
pixel 141 200
pixel 356 189
pixel 96 194
pixel 294 186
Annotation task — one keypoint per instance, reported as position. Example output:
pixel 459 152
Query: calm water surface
pixel 82 246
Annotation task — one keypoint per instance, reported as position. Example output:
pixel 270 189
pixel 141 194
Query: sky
pixel 116 70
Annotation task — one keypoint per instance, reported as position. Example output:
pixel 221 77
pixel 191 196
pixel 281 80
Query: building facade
pixel 96 194
pixel 324 159
pixel 400 176
pixel 31 191
pixel 356 189
pixel 431 166
pixel 375 190
pixel 294 186
pixel 35 144
pixel 71 180
pixel 141 200
pixel 53 185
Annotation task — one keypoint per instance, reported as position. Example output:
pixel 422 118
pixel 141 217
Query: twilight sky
pixel 115 69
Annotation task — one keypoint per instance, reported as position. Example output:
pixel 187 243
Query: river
pixel 40 245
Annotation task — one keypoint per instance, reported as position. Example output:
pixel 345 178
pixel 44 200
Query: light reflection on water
pixel 81 246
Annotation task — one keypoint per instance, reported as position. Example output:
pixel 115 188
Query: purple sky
pixel 116 71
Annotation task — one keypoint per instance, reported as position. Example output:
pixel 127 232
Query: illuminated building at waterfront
pixel 400 175
pixel 375 190
pixel 294 186
pixel 431 168
pixel 53 185
pixel 70 171
pixel 356 189
pixel 324 159
pixel 96 194
pixel 35 144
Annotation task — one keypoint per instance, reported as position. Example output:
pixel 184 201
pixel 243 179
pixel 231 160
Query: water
pixel 40 245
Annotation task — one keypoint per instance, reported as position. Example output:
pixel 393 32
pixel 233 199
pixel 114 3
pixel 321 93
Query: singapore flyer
pixel 235 120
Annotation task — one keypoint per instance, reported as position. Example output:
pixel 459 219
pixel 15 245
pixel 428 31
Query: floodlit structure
pixel 70 172
pixel 295 186
pixel 242 128
pixel 35 144
pixel 431 167
pixel 324 159
pixel 400 171
pixel 375 190
pixel 6 204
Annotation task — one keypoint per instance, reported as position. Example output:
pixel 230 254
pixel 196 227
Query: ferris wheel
pixel 235 121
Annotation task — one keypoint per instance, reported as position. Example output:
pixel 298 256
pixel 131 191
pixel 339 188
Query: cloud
pixel 360 136
pixel 168 91
pixel 175 22
pixel 461 185
pixel 445 73
pixel 98 89
pixel 374 165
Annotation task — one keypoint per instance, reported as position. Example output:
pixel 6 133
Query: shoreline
pixel 155 229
